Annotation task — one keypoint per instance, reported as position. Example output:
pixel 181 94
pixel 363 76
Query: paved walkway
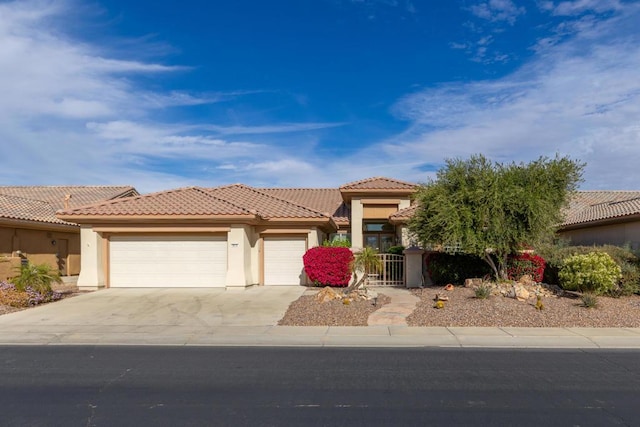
pixel 249 317
pixel 395 313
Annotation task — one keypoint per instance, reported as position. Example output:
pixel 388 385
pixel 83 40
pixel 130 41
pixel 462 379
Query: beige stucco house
pixel 603 217
pixel 30 230
pixel 231 236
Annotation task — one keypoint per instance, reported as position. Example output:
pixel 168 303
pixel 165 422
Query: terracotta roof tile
pixel 378 183
pixel 326 200
pixel 178 202
pixel 12 207
pixel 266 204
pixel 590 206
pixel 39 203
pixel 404 214
pixel 80 194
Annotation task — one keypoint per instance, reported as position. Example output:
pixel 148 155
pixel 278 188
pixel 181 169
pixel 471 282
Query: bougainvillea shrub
pixel 328 266
pixel 526 263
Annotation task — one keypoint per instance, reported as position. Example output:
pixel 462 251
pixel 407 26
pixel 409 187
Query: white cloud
pixel 498 11
pixel 576 7
pixel 72 112
pixel 579 97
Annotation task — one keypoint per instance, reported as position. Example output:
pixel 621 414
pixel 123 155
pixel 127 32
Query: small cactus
pixel 439 304
pixel 539 303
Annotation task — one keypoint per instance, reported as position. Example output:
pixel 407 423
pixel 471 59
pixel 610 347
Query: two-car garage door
pixel 167 261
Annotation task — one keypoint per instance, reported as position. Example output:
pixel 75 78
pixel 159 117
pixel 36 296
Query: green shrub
pixel 38 277
pixel 337 243
pixel 395 250
pixel 483 291
pixel 624 257
pixel 594 272
pixel 447 268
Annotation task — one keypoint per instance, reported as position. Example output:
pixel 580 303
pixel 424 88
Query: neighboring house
pixel 29 228
pixel 603 217
pixel 230 236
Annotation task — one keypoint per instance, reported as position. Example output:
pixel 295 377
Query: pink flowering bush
pixel 328 266
pixel 526 263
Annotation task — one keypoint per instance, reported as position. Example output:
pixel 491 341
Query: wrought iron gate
pixel 391 273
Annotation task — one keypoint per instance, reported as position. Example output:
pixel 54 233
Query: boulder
pixel 472 283
pixel 519 292
pixel 327 294
pixel 527 280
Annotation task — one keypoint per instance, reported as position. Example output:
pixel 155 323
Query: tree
pixel 492 209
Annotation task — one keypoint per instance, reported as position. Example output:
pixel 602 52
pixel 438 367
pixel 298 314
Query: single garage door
pixel 167 261
pixel 283 260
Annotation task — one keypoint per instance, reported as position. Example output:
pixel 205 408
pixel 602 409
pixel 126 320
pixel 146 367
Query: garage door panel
pixel 168 261
pixel 283 263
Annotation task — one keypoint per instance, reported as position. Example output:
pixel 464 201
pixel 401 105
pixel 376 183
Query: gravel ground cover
pixel 463 309
pixel 306 311
pixel 67 291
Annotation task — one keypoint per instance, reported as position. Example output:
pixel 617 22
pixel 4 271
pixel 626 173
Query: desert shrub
pixel 525 263
pixel 594 272
pixel 589 300
pixel 38 277
pixel 630 280
pixel 328 265
pixel 482 292
pixel 455 268
pixel 554 255
pixel 14 297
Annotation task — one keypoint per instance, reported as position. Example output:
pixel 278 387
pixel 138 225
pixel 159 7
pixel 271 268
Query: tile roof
pixel 326 200
pixel 267 205
pixel 404 214
pixel 378 183
pixel 592 206
pixel 80 194
pixel 39 203
pixel 179 202
pixel 12 207
pixel 230 200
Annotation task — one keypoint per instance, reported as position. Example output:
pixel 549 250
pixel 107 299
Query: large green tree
pixel 492 209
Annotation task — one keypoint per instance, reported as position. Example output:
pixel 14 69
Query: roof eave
pixel 89 219
pixel 39 225
pixel 599 222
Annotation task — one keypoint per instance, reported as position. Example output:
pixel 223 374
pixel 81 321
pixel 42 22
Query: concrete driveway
pixel 141 314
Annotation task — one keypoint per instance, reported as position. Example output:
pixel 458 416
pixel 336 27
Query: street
pixel 224 386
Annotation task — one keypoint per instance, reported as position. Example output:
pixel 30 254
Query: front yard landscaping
pixel 463 309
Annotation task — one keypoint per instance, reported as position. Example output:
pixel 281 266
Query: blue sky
pixel 314 93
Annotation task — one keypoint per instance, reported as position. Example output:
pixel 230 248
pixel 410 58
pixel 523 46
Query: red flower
pixel 328 266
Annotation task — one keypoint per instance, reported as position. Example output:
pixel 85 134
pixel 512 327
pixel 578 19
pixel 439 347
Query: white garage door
pixel 283 260
pixel 167 261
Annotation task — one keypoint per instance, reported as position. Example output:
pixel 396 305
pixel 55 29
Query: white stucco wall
pixel 239 257
pixel 92 275
pixel 357 214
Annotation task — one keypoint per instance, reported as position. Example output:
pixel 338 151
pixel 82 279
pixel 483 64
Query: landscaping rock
pixel 472 283
pixel 327 294
pixel 527 280
pixel 519 292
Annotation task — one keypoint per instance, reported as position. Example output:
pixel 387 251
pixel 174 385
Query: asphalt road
pixel 199 386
